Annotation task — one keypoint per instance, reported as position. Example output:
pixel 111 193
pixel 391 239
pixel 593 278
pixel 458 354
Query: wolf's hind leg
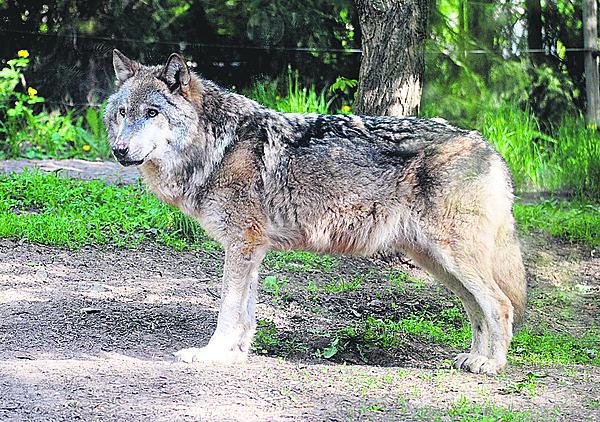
pixel 236 322
pixel 493 306
pixel 480 337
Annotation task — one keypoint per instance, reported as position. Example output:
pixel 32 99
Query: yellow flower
pixel 86 148
pixel 346 108
pixel 32 91
pixel 23 53
pixel 277 98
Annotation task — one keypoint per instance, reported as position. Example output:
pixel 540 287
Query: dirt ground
pixel 88 335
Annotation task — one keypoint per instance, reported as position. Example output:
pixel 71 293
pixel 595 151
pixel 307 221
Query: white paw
pixel 209 354
pixel 477 364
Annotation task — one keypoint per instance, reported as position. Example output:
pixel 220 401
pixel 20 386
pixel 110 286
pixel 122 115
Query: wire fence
pixel 227 63
pixel 185 44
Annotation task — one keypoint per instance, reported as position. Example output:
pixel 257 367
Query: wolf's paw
pixel 209 354
pixel 477 364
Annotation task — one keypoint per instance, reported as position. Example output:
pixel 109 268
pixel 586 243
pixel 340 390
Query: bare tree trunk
pixel 392 65
pixel 590 43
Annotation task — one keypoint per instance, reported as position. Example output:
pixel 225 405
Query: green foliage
pixel 295 98
pixel 575 221
pixel 266 338
pixel 400 281
pixel 273 285
pixel 29 131
pixel 551 95
pixel 329 351
pixel 345 92
pixel 527 385
pixel 386 333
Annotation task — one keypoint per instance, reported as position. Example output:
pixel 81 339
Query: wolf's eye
pixel 122 111
pixel 152 112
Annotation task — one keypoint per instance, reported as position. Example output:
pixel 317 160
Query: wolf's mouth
pixel 130 163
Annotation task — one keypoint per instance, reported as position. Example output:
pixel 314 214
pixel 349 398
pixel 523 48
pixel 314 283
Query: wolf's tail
pixel 509 272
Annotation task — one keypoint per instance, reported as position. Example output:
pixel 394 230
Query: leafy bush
pixel 28 130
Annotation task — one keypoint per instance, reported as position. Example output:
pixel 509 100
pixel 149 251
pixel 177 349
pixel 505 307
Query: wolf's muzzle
pixel 121 156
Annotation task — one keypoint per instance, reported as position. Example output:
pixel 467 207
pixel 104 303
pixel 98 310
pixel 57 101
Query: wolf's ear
pixel 125 68
pixel 176 73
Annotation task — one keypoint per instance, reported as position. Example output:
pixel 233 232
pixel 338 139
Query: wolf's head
pixel 151 117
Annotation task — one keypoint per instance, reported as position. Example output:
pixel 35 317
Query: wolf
pixel 259 180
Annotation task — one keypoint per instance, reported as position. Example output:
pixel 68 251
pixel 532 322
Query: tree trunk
pixel 392 65
pixel 590 43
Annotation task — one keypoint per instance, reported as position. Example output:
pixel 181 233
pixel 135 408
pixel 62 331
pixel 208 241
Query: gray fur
pixel 257 179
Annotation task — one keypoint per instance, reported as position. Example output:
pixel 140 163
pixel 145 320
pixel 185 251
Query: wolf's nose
pixel 120 153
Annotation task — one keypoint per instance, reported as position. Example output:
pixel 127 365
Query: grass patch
pixel 401 281
pixel 464 409
pixel 273 285
pixel 540 346
pixel 48 209
pixel 571 220
pixel 300 261
pixel 293 99
pixel 545 347
pixel 266 339
pixel 386 333
pixel 342 285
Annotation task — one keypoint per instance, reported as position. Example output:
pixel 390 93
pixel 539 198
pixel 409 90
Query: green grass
pixel 566 159
pixel 387 333
pixel 575 220
pixel 464 409
pixel 401 281
pixel 540 346
pixel 300 261
pixel 52 210
pixel 293 98
pixel 273 285
pixel 342 284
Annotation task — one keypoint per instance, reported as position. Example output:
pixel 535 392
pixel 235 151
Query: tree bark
pixel 391 70
pixel 590 43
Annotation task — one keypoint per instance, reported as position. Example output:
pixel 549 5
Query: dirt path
pixel 88 335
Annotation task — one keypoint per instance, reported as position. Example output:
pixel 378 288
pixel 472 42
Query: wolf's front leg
pixel 236 323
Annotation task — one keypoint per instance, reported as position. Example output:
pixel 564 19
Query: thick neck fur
pixel 220 115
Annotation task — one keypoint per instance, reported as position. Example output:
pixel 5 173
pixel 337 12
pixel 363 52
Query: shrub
pixel 28 130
